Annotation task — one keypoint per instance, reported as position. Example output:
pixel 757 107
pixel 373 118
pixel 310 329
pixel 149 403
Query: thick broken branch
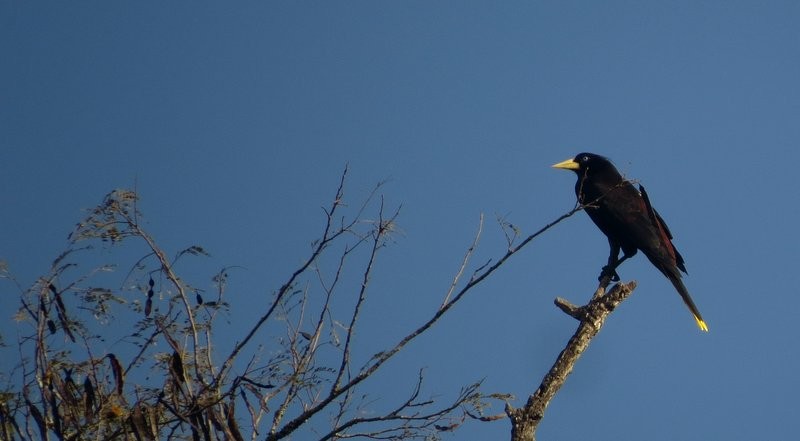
pixel 592 316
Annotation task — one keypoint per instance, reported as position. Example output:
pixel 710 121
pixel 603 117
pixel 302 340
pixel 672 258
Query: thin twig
pixel 464 262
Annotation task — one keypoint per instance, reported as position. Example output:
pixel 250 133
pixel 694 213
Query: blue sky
pixel 234 123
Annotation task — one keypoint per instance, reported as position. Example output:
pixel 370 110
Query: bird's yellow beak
pixel 569 164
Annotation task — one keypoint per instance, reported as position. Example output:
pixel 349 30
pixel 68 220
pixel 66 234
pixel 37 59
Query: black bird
pixel 627 218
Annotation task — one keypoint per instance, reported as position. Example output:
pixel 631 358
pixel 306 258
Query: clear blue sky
pixel 235 122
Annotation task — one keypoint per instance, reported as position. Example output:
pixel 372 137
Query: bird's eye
pixel 585 159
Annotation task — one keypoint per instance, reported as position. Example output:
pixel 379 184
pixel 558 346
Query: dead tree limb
pixel 525 420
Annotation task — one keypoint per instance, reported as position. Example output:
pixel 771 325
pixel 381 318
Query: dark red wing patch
pixel 663 230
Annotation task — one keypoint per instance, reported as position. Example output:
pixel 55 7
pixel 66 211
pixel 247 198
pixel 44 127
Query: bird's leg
pixel 613 269
pixel 610 270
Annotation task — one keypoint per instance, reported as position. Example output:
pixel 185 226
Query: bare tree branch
pixel 327 237
pixel 382 357
pixel 301 346
pixel 592 316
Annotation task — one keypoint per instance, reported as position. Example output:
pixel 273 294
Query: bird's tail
pixel 676 281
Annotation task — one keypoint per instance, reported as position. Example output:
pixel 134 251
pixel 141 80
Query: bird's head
pixel 585 164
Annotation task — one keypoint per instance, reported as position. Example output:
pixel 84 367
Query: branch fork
pixel 591 316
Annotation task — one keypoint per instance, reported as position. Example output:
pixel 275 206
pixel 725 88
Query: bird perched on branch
pixel 627 218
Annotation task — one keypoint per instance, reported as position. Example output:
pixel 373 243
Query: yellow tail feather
pixel 701 324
